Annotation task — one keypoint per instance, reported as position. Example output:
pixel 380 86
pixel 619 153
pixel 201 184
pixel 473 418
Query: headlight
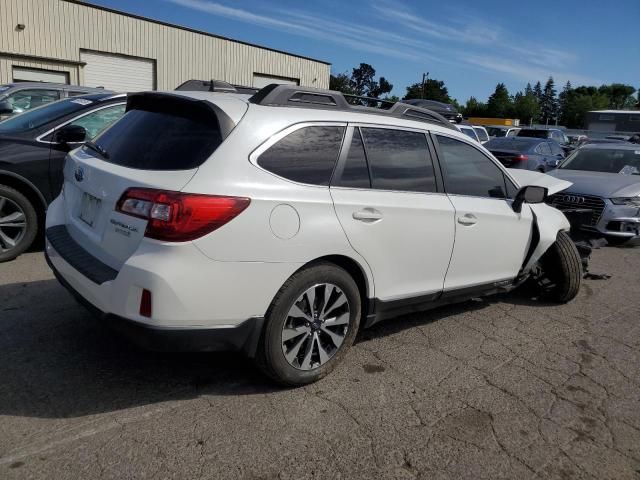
pixel 631 201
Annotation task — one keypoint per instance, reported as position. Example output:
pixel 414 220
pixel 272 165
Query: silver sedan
pixel 606 180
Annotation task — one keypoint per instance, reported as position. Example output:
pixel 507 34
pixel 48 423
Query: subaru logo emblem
pixel 79 174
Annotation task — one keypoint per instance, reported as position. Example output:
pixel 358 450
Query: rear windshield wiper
pixel 97 148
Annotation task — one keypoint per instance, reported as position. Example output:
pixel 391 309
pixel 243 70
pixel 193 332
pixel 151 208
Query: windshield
pixel 511 143
pixel 42 115
pixel 533 133
pixel 496 132
pixel 608 160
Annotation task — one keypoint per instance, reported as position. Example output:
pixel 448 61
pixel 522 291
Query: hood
pixel 529 177
pixel 600 184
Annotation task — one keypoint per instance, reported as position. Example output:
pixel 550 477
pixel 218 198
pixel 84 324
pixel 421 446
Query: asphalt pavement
pixel 506 387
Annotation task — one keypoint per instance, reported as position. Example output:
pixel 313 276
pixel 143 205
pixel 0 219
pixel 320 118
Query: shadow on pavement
pixel 58 361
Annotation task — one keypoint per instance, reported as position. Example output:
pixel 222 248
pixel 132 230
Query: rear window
pixel 175 139
pixel 307 155
pixel 533 133
pixel 510 143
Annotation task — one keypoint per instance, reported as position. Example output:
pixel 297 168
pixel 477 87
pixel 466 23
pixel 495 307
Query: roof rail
pixel 295 96
pixel 214 86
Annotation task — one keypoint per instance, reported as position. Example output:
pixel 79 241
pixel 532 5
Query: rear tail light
pixel 177 216
pixel 521 158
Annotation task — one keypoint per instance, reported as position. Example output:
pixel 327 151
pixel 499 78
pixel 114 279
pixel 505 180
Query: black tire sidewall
pixel 31 218
pixel 274 362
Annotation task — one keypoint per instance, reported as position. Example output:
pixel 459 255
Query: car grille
pixel 565 201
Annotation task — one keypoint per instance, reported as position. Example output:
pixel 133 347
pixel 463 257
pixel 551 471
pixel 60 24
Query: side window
pixel 307 155
pixel 555 148
pixel 399 160
pixel 97 121
pixel 73 93
pixel 468 171
pixel 355 173
pixel 24 100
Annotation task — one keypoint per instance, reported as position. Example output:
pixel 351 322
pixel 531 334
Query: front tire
pixel 311 323
pixel 560 270
pixel 18 223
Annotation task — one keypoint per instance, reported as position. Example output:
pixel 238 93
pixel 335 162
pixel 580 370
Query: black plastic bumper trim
pixel 243 337
pixel 76 256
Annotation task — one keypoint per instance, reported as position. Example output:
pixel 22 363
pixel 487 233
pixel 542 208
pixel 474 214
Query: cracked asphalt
pixel 506 387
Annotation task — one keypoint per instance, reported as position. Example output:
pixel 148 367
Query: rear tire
pixel 300 344
pixel 18 223
pixel 560 270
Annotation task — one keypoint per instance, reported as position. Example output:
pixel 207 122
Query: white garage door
pixel 36 75
pixel 121 74
pixel 260 80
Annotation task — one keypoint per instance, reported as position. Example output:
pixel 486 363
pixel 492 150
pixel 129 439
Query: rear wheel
pixel 559 271
pixel 18 223
pixel 311 323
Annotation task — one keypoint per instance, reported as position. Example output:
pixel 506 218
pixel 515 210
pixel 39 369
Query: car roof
pixel 611 146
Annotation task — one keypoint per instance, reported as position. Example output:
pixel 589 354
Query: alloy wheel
pixel 316 326
pixel 13 224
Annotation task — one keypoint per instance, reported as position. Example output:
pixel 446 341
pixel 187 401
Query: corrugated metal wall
pixel 57 29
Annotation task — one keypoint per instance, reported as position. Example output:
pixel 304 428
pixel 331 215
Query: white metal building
pixel 69 41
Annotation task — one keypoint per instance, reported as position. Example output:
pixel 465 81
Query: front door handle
pixel 367 215
pixel 467 219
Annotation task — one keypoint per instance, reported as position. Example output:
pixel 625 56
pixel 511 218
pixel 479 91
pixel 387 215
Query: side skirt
pixel 382 310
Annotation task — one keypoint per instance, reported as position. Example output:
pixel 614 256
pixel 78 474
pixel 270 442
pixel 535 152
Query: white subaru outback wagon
pixel 281 223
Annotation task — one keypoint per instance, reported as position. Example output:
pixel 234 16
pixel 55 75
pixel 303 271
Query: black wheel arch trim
pixel 27 184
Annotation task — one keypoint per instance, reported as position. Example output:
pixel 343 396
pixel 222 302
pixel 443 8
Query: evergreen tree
pixel 563 102
pixel 499 104
pixel 528 90
pixel 549 103
pixel 537 91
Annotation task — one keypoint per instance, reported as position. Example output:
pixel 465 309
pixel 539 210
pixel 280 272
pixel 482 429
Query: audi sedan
pixel 606 180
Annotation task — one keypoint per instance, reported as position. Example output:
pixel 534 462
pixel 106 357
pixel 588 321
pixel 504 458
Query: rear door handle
pixel 367 215
pixel 467 219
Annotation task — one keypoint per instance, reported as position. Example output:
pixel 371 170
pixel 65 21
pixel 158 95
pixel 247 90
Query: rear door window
pixel 399 160
pixel 164 138
pixel 355 172
pixel 467 171
pixel 98 120
pixel 307 155
pixel 543 149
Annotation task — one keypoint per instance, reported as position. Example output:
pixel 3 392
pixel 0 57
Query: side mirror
pixel 529 194
pixel 6 107
pixel 70 134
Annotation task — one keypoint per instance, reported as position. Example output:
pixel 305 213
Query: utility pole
pixel 424 79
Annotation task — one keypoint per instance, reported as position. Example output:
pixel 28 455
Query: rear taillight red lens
pixel 145 303
pixel 521 158
pixel 177 216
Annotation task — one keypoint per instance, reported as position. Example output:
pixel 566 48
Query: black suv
pixel 447 111
pixel 33 146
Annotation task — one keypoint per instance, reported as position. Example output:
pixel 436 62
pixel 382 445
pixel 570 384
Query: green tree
pixel 526 107
pixel 499 104
pixel 528 90
pixel 549 103
pixel 581 100
pixel 563 103
pixel 341 83
pixel 537 91
pixel 433 90
pixel 474 108
pixel 620 95
pixel 363 82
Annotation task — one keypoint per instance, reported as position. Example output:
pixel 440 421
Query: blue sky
pixel 470 45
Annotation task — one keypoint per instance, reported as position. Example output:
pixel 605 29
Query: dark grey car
pixel 606 180
pixel 526 153
pixel 22 96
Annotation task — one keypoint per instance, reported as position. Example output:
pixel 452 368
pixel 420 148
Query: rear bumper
pixel 242 337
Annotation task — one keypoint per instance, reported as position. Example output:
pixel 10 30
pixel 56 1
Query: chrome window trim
pixel 48 132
